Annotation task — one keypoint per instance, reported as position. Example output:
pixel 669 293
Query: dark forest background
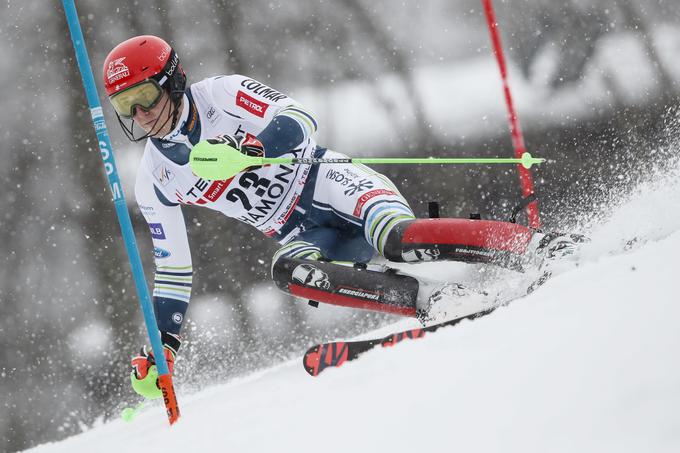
pixel 69 316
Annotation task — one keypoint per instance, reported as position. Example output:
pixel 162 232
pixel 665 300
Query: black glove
pixel 248 145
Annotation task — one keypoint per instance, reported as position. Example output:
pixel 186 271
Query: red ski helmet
pixel 143 59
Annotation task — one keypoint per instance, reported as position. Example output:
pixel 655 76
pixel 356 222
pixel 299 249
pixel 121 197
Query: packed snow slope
pixel 588 363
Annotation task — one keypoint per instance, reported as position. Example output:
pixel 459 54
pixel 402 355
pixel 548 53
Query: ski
pixel 336 353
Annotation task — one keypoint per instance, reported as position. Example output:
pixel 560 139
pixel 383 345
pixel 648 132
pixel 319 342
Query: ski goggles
pixel 145 94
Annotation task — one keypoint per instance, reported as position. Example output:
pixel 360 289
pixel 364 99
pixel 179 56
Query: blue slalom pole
pixel 165 378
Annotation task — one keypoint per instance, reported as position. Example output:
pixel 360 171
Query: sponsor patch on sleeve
pixel 160 253
pixel 163 174
pixel 249 103
pixel 157 231
pixel 366 197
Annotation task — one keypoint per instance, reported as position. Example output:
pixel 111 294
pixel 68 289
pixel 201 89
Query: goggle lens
pixel 145 95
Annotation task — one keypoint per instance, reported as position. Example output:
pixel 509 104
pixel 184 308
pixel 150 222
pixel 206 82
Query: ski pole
pixel 221 161
pixel 164 378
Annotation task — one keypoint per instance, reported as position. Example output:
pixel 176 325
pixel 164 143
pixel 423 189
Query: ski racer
pixel 330 220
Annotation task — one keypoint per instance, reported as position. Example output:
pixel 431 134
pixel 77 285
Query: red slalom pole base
pixel 169 397
pixel 525 178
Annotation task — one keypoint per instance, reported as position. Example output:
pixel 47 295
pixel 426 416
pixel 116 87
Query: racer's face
pixel 157 120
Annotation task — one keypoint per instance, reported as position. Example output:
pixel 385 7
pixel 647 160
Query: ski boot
pixel 439 302
pixel 555 247
pixel 553 254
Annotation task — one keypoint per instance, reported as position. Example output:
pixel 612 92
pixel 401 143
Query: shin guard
pixel 346 286
pixel 472 241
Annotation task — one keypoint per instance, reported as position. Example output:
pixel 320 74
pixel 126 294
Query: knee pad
pixel 347 286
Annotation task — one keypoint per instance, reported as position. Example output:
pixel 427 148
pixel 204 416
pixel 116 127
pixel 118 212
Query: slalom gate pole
pixel 165 378
pixel 525 178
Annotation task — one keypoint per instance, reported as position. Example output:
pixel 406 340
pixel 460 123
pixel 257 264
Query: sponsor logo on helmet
pixel 249 103
pixel 173 65
pixel 117 70
pixel 164 53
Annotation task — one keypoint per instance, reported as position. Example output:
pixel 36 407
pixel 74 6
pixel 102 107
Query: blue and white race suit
pixel 336 211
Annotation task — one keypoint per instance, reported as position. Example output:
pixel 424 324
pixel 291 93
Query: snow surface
pixel 587 363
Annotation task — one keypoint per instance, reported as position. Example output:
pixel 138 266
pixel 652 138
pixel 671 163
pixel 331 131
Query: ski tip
pixel 311 360
pixel 321 356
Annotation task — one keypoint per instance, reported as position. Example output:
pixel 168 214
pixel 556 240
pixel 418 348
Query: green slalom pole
pixel 218 161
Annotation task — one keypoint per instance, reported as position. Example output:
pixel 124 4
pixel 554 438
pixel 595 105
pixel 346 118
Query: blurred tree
pixel 634 18
pixel 147 18
pixel 394 59
pixel 230 20
pixel 573 29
